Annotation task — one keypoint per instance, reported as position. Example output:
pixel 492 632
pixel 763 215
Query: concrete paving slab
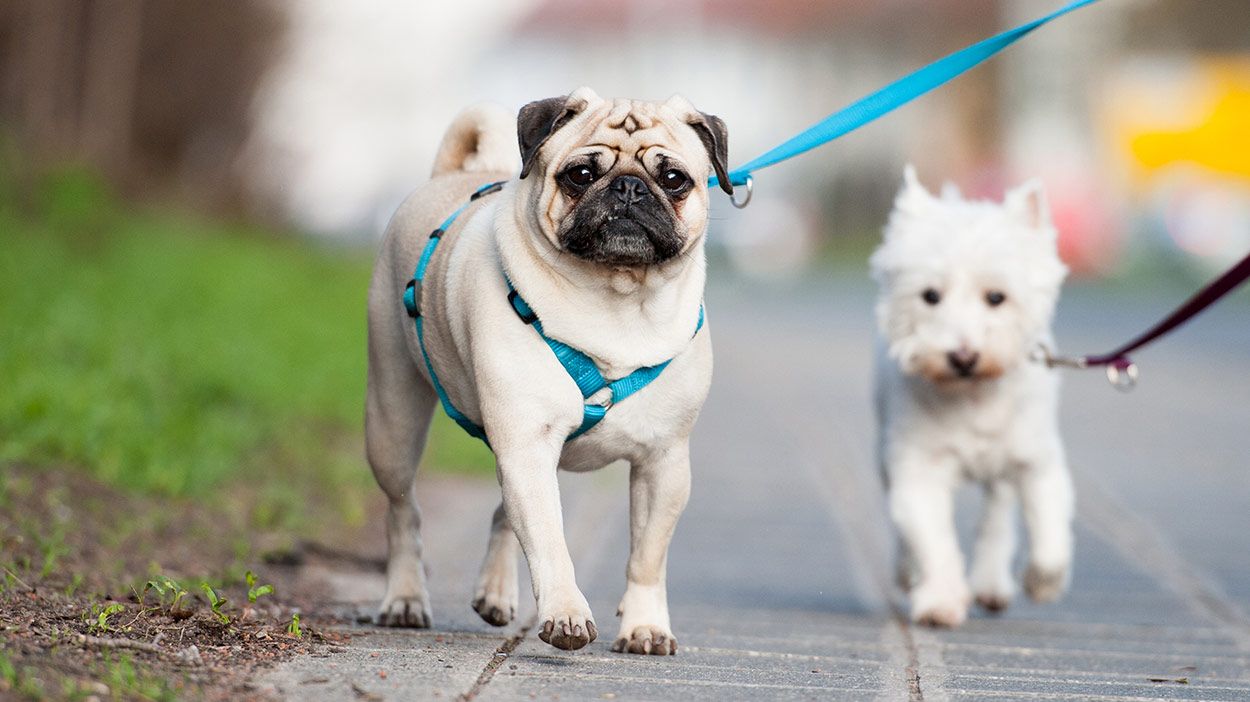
pixel 781 565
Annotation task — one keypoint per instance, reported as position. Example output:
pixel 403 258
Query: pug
pixel 602 235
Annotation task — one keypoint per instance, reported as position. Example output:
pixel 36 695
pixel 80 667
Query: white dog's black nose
pixel 629 189
pixel 963 361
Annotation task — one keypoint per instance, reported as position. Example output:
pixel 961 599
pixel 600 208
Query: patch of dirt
pixel 79 619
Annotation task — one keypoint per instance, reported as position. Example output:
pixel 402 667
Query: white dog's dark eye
pixel 931 296
pixel 994 298
pixel 581 176
pixel 674 180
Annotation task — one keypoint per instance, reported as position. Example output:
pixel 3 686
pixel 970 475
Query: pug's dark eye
pixel 674 180
pixel 994 298
pixel 931 296
pixel 580 176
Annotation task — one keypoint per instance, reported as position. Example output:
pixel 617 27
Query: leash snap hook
pixel 1042 354
pixel 750 186
pixel 1122 374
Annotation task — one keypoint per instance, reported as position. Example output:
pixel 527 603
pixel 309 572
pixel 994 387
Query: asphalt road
pixel 780 575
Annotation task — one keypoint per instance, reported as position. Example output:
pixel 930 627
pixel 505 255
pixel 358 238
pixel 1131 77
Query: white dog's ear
pixel 1028 204
pixel 913 196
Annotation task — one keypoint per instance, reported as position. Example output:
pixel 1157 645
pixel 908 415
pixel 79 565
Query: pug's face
pixel 621 183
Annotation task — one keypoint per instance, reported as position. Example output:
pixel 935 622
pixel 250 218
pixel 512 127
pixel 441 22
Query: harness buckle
pixel 487 190
pixel 528 315
pixel 412 298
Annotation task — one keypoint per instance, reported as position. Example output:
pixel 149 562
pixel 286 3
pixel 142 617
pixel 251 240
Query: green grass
pixel 167 354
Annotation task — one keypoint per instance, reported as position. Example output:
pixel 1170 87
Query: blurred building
pixel 325 114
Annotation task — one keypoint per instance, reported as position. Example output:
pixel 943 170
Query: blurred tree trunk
pixel 113 48
pixel 154 95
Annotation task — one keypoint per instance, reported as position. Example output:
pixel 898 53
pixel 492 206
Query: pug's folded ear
pixel 539 120
pixel 715 137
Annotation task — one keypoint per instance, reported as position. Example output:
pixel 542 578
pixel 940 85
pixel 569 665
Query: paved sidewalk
pixel 779 576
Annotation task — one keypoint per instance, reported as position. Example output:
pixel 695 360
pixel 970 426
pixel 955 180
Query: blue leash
pixel 892 96
pixel 577 364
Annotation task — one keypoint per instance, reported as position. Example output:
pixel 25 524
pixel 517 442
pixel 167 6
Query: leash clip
pixel 1121 372
pixel 750 186
pixel 1043 354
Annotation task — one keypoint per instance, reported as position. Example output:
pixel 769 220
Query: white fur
pixel 998 427
pixel 499 372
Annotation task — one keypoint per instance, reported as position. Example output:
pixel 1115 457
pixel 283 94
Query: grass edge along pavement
pixel 200 384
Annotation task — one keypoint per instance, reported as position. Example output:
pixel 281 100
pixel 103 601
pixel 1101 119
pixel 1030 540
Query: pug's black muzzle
pixel 622 224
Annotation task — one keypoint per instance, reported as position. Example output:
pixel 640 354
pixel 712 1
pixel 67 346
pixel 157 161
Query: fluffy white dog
pixel 967 291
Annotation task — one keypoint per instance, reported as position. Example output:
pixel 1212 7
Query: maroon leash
pixel 1121 370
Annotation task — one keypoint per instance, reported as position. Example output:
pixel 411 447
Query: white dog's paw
pixel 412 610
pixel 567 625
pixel 943 605
pixel 495 599
pixel 653 640
pixel 1046 584
pixel 993 591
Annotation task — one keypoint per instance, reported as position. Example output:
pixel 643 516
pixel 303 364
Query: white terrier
pixel 967 291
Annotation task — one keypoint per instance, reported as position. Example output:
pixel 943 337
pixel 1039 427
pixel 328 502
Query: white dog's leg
pixel 658 491
pixel 399 406
pixel 1048 500
pixel 991 579
pixel 921 506
pixel 495 597
pixel 531 496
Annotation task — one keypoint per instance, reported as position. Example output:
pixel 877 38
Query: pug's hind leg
pixel 658 491
pixel 398 408
pixel 495 597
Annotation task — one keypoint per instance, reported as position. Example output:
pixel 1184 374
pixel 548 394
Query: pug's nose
pixel 629 189
pixel 963 361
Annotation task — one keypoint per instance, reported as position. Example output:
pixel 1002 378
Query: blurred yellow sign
pixel 1206 124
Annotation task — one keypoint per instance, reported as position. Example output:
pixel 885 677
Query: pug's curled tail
pixel 482 138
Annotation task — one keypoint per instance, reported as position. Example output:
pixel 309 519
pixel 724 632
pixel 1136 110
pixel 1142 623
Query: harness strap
pixel 585 372
pixel 580 367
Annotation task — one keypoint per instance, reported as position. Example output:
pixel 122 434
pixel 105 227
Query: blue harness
pixel 577 364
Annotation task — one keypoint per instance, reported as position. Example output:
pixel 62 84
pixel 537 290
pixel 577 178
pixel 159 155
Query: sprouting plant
pixel 216 602
pixel 74 584
pixel 168 590
pixel 254 592
pixel 294 628
pixel 102 615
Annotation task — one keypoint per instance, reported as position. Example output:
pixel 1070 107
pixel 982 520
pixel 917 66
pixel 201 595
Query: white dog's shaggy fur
pixel 967 291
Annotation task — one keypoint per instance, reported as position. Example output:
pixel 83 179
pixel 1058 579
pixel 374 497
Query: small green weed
pixel 294 628
pixel 216 602
pixel 99 618
pixel 168 592
pixel 253 591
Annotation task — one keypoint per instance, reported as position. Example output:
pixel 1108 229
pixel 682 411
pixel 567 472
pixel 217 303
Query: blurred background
pixel 190 192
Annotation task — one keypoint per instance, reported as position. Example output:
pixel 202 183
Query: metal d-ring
pixel 750 186
pixel 1122 377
